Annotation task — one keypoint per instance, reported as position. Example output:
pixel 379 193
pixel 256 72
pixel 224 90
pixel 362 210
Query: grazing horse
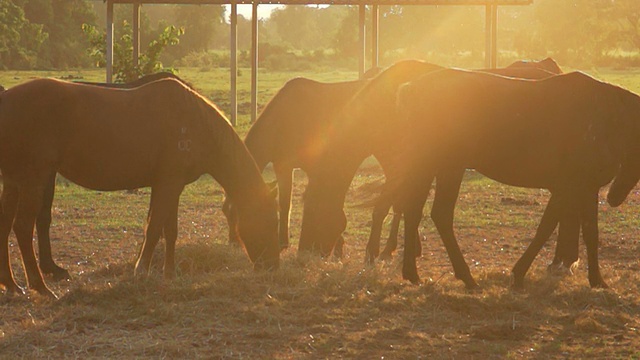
pixel 291 132
pixel 568 134
pixel 43 221
pixel 163 135
pixel 522 69
pixel 363 128
pixel 368 123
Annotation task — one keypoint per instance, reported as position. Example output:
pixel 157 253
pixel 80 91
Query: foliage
pixel 62 20
pixel 124 68
pixel 20 40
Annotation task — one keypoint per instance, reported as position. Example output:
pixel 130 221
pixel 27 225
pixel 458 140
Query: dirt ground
pixel 314 308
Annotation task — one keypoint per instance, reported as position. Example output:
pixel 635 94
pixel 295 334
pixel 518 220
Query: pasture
pixel 311 308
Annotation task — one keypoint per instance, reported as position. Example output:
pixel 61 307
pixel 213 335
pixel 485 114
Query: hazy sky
pixel 245 10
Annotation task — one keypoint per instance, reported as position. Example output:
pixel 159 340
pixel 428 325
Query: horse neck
pixel 260 142
pixel 229 162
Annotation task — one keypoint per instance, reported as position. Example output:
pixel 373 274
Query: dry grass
pixel 219 308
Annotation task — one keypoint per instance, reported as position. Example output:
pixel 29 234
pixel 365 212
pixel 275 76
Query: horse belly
pixel 108 168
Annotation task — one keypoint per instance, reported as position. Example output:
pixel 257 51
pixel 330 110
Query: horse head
pixel 629 133
pixel 257 227
pixel 323 218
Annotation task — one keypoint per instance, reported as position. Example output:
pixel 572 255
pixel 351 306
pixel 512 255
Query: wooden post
pixel 494 36
pixel 233 58
pixel 136 34
pixel 109 49
pixel 487 36
pixel 362 39
pixel 254 62
pixel 375 22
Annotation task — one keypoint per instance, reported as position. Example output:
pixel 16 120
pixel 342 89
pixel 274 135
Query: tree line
pixel 36 34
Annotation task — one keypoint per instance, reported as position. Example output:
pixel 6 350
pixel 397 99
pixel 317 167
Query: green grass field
pixel 312 308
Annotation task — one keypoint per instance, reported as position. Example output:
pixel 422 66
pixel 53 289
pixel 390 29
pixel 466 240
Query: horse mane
pixel 145 79
pixel 548 64
pixel 392 72
pixel 238 171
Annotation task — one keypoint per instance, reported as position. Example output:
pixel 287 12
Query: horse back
pixel 517 131
pixel 294 124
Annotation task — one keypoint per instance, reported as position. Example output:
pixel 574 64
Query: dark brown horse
pixel 565 255
pixel 290 133
pixel 366 129
pixel 366 126
pixel 43 221
pixel 163 135
pixel 569 134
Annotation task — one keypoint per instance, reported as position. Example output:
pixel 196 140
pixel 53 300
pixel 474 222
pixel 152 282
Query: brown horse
pixel 568 134
pixel 43 221
pixel 366 126
pixel 291 132
pixel 521 69
pixel 163 135
pixel 366 129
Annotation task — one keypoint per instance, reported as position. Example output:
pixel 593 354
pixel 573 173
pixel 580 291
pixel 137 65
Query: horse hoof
pixel 385 256
pixel 598 284
pixel 60 275
pixel 559 270
pixel 413 279
pixel 44 291
pixel 516 283
pixel 56 272
pixel 17 290
pixel 472 286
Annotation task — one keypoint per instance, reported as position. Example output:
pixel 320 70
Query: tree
pixel 200 24
pixel 62 20
pixel 20 39
pixel 124 68
pixel 346 36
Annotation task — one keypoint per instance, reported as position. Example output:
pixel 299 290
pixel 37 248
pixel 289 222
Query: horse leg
pixel 43 224
pixel 392 241
pixel 411 203
pixel 29 205
pixel 380 212
pixel 170 231
pixel 447 191
pixel 230 212
pixel 284 175
pixel 412 218
pixel 163 199
pixel 546 227
pixel 568 236
pixel 9 201
pixel 589 221
pixel 338 250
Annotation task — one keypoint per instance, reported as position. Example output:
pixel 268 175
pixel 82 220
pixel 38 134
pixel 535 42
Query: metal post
pixel 494 36
pixel 109 50
pixel 254 62
pixel 233 58
pixel 487 37
pixel 136 33
pixel 375 21
pixel 361 39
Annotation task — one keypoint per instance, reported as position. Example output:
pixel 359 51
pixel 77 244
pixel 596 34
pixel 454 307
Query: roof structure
pixel 329 2
pixel 491 16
